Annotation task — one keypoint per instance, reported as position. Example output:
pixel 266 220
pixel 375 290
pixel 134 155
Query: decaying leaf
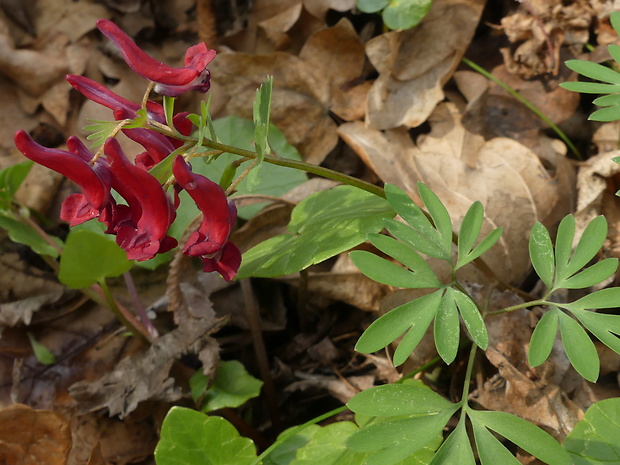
pixel 33 437
pixel 414 65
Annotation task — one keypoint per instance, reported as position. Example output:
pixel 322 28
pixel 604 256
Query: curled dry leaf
pixel 460 167
pixel 32 437
pixel 414 65
pixel 306 88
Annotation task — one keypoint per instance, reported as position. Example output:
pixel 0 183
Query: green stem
pixel 468 373
pixel 532 303
pixel 527 103
pixel 292 432
pixel 124 317
pixel 276 160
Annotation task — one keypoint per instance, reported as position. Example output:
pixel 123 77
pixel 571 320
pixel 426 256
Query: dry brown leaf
pixel 415 64
pixel 306 88
pixel 341 389
pixel 33 437
pixel 460 167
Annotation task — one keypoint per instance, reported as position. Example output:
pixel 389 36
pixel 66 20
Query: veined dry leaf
pixel 33 437
pixel 306 88
pixel 460 167
pixel 415 64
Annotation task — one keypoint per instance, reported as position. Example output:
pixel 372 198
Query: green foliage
pixel 14 219
pixel 189 437
pixel 262 106
pixel 322 225
pixel 397 14
pixel 100 131
pixel 89 258
pixel 559 269
pixel 610 80
pixel 595 440
pixel 274 180
pixel 432 237
pixel 232 387
pixel 41 353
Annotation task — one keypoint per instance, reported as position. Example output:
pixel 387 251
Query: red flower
pixel 210 242
pixel 94 180
pixel 141 229
pixel 169 81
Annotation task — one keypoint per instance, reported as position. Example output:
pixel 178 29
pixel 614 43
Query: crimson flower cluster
pixel 141 224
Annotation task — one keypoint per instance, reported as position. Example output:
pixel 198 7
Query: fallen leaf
pixel 414 65
pixel 33 437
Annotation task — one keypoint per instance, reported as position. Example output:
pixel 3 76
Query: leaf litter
pixel 395 107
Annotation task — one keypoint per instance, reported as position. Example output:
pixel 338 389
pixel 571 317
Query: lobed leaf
pixel 469 230
pixel 416 315
pixel 390 442
pixel 594 440
pixel 424 244
pixel 408 257
pixel 543 337
pixel 588 246
pixel 456 449
pixel 490 450
pixel 541 254
pixel 385 272
pixel 579 347
pixel 564 244
pixel 472 318
pixel 440 217
pixel 524 434
pixel 605 327
pixel 605 298
pixel 232 387
pixel 592 275
pixel 408 398
pixel 447 328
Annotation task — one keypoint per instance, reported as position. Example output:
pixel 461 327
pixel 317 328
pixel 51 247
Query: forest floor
pixel 385 106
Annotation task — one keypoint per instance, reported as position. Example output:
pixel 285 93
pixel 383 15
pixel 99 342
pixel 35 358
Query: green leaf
pixel 322 225
pixel 588 246
pixel 385 272
pixel 408 398
pixel 261 124
pixel 275 180
pixel 614 17
pixel 579 348
pixel 327 447
pixel 101 131
pixel 440 216
pixel 415 217
pixel 416 315
pixel 592 275
pixel 23 233
pixel 564 245
pixel 168 104
pixel 41 353
pixel 606 115
pixel 456 450
pixel 604 326
pixel 405 14
pixel 286 450
pixel 392 441
pixel 428 246
pixel 371 6
pixel 189 437
pixel 594 71
pixel 472 318
pixel 607 100
pixel 484 245
pixel 447 328
pixel 605 298
pixel 590 87
pixel 89 258
pixel 232 387
pixel 469 230
pixel 543 337
pixel 524 434
pixel 595 439
pixel 10 180
pixel 541 254
pixel 490 450
pixel 408 257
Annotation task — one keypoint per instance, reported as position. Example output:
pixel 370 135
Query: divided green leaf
pixel 579 347
pixel 543 337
